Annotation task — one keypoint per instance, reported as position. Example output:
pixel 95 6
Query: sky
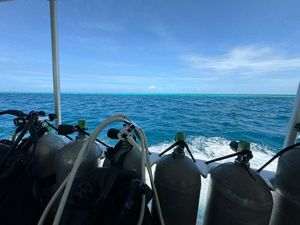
pixel 153 46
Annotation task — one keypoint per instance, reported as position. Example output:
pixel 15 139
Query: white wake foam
pixel 206 148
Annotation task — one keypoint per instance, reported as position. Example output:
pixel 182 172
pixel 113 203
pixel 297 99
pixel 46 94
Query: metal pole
pixel 55 64
pixel 295 118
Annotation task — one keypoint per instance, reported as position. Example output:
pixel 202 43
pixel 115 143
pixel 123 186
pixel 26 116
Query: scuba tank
pixel 123 155
pixel 237 194
pixel 66 156
pixel 44 162
pixel 43 149
pixel 178 182
pixel 44 166
pixel 109 195
pixel 286 210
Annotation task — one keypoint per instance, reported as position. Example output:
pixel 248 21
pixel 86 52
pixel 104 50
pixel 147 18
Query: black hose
pixel 174 145
pixel 168 149
pixel 229 156
pixel 189 151
pixel 6 196
pixel 34 138
pixel 81 130
pixel 17 113
pixel 101 142
pixel 15 144
pixel 286 149
pixel 55 128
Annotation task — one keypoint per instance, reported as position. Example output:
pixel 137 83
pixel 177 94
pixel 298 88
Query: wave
pixel 206 148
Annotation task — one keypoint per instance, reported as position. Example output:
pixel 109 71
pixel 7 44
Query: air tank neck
pixel 81 136
pixel 179 151
pixel 243 147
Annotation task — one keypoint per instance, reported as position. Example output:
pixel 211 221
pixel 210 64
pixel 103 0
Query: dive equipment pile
pixel 49 178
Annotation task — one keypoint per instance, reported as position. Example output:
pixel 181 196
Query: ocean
pixel 209 121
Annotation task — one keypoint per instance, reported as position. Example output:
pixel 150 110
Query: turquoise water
pixel 261 119
pixel 210 121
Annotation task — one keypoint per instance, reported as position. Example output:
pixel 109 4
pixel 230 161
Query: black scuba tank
pixel 286 210
pixel 178 182
pixel 66 156
pixel 237 194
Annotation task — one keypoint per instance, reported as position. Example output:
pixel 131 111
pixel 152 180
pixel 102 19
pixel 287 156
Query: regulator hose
pixel 67 184
pixel 229 156
pixel 28 126
pixel 178 143
pixel 17 113
pixel 286 149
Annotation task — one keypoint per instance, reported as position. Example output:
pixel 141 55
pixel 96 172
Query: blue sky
pixel 153 46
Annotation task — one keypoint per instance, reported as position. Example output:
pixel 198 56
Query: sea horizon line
pixel 157 94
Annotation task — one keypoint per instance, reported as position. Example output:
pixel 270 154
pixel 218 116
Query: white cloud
pixel 152 87
pixel 244 60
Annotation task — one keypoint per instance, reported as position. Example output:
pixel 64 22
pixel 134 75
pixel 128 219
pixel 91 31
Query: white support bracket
pixel 55 61
pixel 291 135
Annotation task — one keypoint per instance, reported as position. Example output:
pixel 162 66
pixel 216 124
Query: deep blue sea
pixel 210 121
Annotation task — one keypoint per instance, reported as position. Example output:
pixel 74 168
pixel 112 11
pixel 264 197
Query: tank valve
pixel 242 147
pixel 180 136
pixel 180 145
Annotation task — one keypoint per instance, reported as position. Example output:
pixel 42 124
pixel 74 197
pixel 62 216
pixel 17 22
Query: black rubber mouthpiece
pixel 113 133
